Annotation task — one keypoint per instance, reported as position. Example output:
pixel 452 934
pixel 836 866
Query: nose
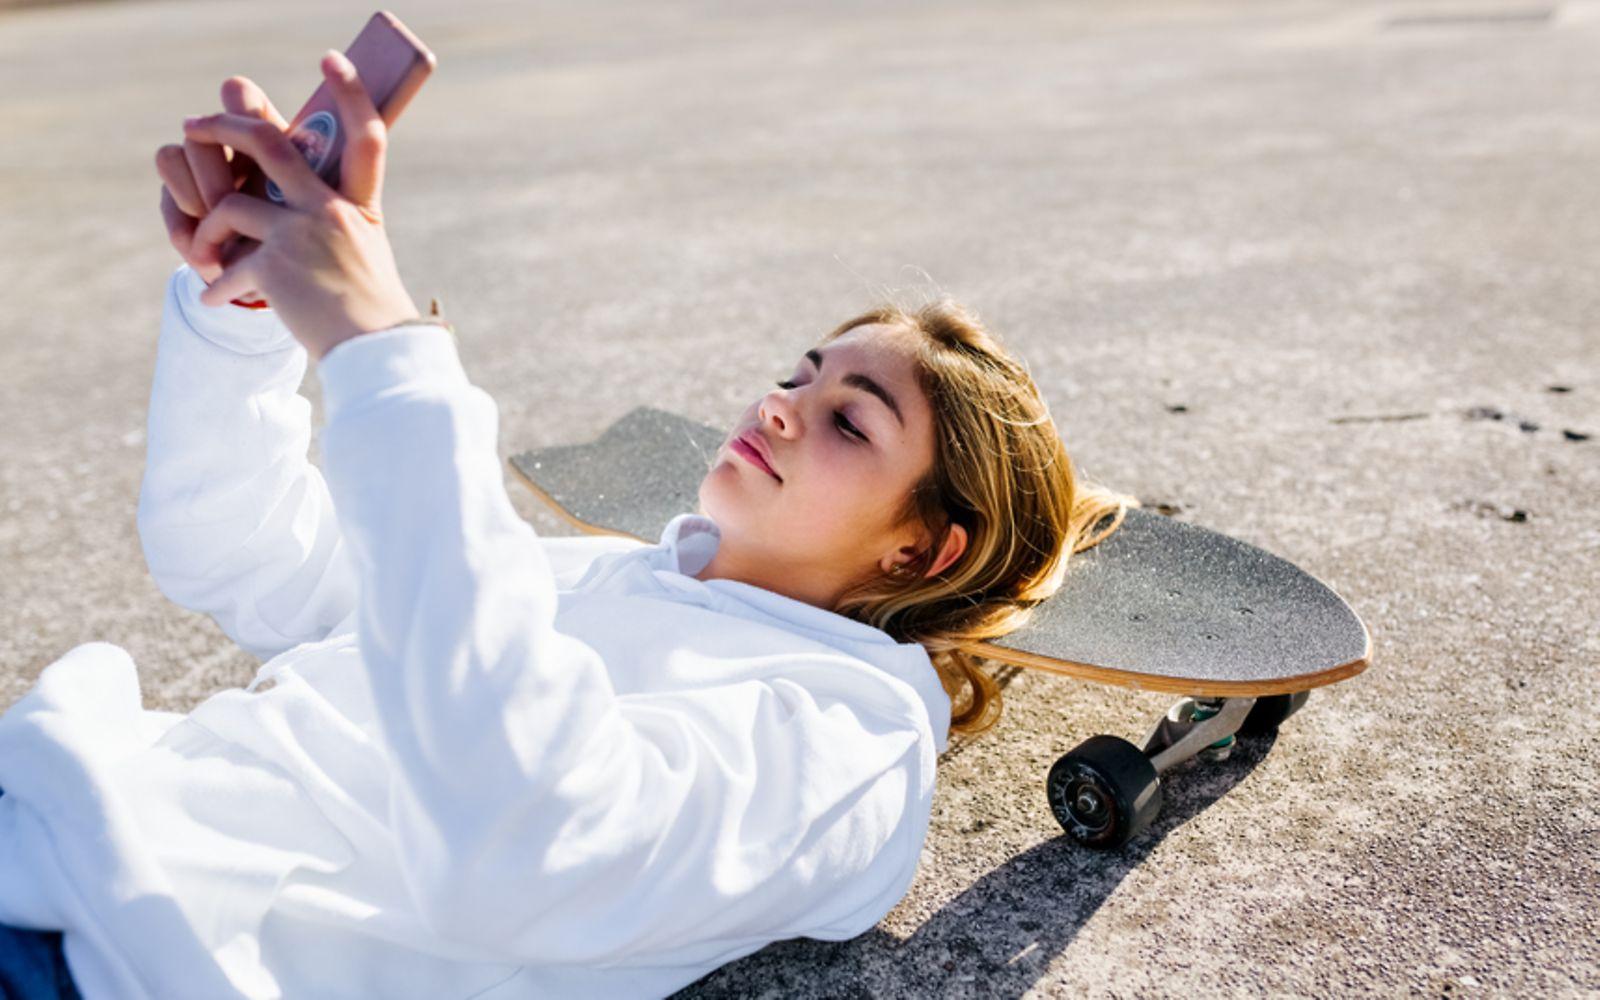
pixel 778 412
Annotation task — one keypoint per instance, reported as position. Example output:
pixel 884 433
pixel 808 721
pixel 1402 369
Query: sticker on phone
pixel 314 139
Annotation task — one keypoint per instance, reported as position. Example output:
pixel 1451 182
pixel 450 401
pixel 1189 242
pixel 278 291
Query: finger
pixel 365 136
pixel 236 281
pixel 180 224
pixel 212 175
pixel 267 144
pixel 173 166
pixel 238 213
pixel 180 231
pixel 241 96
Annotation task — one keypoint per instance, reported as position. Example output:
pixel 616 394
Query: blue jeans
pixel 32 966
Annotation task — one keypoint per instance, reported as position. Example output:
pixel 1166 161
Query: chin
pixel 713 492
pixel 723 496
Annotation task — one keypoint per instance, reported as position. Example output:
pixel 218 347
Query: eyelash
pixel 845 426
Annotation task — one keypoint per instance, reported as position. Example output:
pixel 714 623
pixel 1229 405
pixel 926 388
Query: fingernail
pixel 191 121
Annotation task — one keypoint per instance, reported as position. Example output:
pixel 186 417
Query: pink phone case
pixel 392 63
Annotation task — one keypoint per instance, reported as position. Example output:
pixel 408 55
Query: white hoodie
pixel 476 763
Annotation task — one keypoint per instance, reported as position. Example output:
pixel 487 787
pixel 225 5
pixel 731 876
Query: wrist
pixel 434 317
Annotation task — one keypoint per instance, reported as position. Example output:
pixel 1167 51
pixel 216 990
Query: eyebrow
pixel 857 380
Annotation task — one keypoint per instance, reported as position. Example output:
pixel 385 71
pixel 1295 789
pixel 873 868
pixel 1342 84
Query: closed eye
pixel 846 426
pixel 839 419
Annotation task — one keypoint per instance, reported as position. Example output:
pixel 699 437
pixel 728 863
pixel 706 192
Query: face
pixel 842 462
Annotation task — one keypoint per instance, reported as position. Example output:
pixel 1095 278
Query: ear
pixel 955 543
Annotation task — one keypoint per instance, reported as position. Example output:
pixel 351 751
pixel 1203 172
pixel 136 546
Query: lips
pixel 754 450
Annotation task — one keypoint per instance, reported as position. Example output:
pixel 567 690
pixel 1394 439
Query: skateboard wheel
pixel 1104 792
pixel 1268 713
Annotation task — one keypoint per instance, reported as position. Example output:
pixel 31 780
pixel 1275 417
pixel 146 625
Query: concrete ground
pixel 1320 274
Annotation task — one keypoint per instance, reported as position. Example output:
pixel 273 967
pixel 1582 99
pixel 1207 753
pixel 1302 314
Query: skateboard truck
pixel 1194 727
pixel 1106 791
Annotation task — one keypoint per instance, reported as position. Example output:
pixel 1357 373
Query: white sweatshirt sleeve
pixel 542 816
pixel 234 520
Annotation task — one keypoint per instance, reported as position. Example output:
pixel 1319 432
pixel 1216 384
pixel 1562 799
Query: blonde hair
pixel 1000 471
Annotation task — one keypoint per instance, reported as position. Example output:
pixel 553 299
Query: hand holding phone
pixel 391 63
pixel 322 257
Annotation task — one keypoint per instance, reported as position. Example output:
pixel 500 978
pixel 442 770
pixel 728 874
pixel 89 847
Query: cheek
pixel 836 495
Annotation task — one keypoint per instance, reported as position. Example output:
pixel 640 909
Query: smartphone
pixel 392 63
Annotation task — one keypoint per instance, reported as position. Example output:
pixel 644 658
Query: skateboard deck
pixel 1160 605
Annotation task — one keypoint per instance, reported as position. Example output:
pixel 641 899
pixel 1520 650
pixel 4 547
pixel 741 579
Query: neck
pixel 804 584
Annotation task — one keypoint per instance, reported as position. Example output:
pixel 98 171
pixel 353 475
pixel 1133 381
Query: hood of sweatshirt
pixel 687 545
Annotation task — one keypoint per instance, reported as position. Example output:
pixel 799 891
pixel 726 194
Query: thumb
pixel 366 137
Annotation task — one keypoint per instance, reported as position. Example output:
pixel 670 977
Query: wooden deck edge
pixel 1169 684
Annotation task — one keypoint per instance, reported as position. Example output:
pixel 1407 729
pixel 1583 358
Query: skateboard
pixel 1160 605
